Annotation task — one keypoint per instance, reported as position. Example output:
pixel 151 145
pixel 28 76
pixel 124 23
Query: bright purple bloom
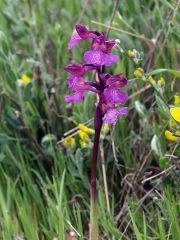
pixel 75 97
pixel 79 69
pixel 108 85
pixel 115 96
pixel 114 80
pixel 82 34
pixel 111 115
pixel 100 48
pixel 101 43
pixel 75 83
pixel 100 58
pixel 74 40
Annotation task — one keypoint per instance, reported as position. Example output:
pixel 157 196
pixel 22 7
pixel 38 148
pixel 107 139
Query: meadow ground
pixel 44 186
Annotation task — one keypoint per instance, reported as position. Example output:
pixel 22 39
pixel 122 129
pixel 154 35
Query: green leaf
pixel 48 138
pixel 140 108
pixel 164 162
pixel 2 157
pixel 3 138
pixel 136 230
pixel 156 146
pixel 160 70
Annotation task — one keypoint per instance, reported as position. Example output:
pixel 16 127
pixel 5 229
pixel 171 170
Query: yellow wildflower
pixel 175 113
pixel 151 79
pixel 161 81
pixel 83 144
pixel 85 129
pixel 176 100
pixel 139 72
pixel 69 142
pixel 84 138
pixel 131 53
pixel 172 123
pixel 171 137
pixel 25 79
pixel 105 128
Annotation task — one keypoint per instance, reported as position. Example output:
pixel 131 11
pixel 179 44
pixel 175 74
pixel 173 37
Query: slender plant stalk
pixel 94 234
pixel 105 178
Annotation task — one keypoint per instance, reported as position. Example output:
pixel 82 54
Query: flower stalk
pixel 94 235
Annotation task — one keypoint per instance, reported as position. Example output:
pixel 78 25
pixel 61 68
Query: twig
pixel 140 91
pixel 104 177
pixel 112 16
pixel 114 152
pixel 123 31
pixel 167 33
pixel 159 174
pixel 85 5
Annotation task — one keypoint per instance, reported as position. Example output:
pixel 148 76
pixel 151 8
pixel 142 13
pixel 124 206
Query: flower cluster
pixel 107 88
pixel 84 133
pixel 159 84
pixel 135 56
pixel 174 134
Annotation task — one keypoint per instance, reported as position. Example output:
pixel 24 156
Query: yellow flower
pixel 84 138
pixel 161 81
pixel 151 79
pixel 176 100
pixel 131 53
pixel 83 144
pixel 172 123
pixel 85 129
pixel 69 142
pixel 139 72
pixel 25 79
pixel 171 137
pixel 175 113
pixel 105 128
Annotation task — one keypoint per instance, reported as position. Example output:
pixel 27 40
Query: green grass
pixel 44 190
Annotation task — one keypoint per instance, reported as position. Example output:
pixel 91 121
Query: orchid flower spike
pixel 108 85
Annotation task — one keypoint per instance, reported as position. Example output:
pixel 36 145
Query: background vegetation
pixel 44 190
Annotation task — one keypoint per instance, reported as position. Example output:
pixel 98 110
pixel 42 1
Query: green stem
pixel 94 234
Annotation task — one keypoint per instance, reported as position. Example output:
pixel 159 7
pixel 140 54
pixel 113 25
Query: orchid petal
pixel 114 80
pixel 75 97
pixel 75 69
pixel 112 114
pixel 105 76
pixel 110 59
pixel 117 83
pixel 109 45
pixel 75 83
pixel 115 96
pixel 82 31
pixel 75 38
pixel 100 58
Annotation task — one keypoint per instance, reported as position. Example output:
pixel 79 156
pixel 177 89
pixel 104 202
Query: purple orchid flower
pixel 79 69
pixel 77 83
pixel 107 88
pixel 108 85
pixel 100 48
pixel 82 34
